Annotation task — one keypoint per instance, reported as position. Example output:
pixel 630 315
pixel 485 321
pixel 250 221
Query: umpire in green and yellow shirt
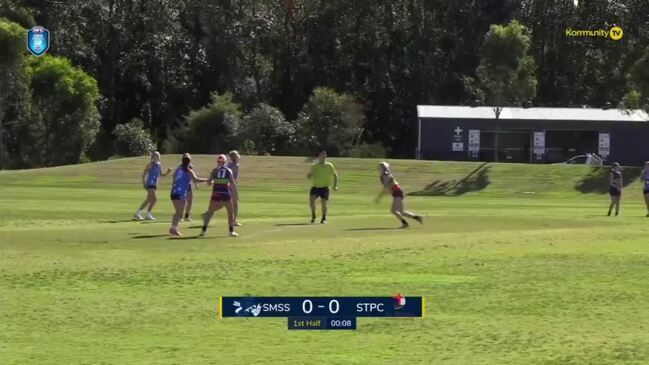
pixel 321 175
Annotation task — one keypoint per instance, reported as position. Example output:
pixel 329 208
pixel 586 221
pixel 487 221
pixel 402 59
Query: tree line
pixel 291 76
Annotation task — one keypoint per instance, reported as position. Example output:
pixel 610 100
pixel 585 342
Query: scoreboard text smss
pixel 321 312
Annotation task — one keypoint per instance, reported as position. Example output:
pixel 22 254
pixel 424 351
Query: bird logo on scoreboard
pixel 399 301
pixel 254 309
pixel 237 307
pixel 38 41
pixel 248 307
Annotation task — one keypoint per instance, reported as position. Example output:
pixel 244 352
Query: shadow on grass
pixel 187 238
pixel 597 180
pixel 292 224
pixel 121 221
pixel 477 180
pixel 149 236
pixel 372 229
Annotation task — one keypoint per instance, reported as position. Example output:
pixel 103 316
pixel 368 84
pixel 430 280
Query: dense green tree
pixel 330 121
pixel 506 69
pixel 213 128
pixel 64 116
pixel 638 77
pixel 14 91
pixel 15 11
pixel 13 86
pixel 583 71
pixel 265 130
pixel 131 139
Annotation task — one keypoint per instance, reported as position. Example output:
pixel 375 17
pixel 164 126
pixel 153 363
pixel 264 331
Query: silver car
pixel 589 159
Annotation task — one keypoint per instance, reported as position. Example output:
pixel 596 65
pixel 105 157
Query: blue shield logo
pixel 38 41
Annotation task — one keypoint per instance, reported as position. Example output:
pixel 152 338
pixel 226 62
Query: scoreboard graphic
pixel 322 313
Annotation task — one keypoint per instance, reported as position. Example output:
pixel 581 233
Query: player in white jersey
pixel 233 165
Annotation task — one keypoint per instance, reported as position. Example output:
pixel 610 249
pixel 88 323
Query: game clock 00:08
pixel 337 322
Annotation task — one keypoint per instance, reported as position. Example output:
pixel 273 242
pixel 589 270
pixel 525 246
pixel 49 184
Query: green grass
pixel 518 263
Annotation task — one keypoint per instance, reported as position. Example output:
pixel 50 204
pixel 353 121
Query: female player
pixel 645 184
pixel 223 185
pixel 150 182
pixel 392 186
pixel 233 164
pixel 182 178
pixel 615 188
pixel 190 197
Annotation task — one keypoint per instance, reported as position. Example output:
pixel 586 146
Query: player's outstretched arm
pixel 378 198
pixel 197 179
pixel 335 180
pixel 169 169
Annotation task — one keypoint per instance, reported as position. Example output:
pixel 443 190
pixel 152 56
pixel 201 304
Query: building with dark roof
pixel 534 135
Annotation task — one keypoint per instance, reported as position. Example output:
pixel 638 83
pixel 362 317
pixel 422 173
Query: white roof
pixel 486 112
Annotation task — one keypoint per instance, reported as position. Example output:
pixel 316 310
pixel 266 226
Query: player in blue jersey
pixel 182 178
pixel 223 186
pixel 190 197
pixel 615 188
pixel 233 164
pixel 645 185
pixel 152 171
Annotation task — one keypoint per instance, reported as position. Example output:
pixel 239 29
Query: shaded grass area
pixel 475 181
pixel 597 180
pixel 509 279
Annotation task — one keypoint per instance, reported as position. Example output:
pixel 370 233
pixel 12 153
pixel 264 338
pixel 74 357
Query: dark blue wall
pixel 629 142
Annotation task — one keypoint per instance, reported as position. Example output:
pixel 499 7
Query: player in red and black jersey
pixel 390 185
pixel 223 184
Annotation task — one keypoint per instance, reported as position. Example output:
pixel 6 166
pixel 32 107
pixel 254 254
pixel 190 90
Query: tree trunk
pixel 497 111
pixel 2 129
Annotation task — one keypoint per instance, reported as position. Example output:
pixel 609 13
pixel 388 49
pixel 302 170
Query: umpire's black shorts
pixel 322 193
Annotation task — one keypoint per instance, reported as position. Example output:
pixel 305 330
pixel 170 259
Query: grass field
pixel 519 265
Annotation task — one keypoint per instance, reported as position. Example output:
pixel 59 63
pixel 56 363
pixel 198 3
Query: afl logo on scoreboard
pixel 38 41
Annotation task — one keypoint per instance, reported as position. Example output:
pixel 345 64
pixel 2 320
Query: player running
pixel 223 184
pixel 615 188
pixel 182 178
pixel 152 171
pixel 233 164
pixel 645 183
pixel 320 175
pixel 390 185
